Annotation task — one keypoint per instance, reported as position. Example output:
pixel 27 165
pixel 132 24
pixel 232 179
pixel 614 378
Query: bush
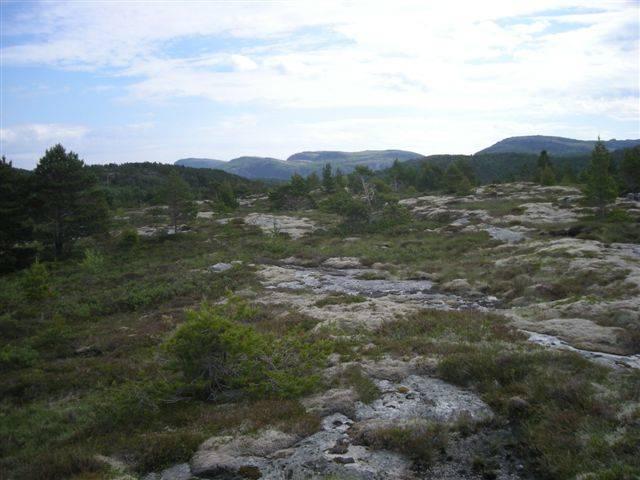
pixel 129 238
pixel 35 282
pixel 217 353
pixel 68 463
pixel 14 357
pixel 93 260
pixel 157 451
pixel 419 441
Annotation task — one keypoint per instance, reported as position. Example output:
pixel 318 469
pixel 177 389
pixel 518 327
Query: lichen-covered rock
pixel 227 455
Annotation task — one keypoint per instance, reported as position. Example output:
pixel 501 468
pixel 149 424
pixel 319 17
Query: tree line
pixel 43 212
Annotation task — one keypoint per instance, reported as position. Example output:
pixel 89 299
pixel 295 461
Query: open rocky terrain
pixel 469 345
pixel 558 290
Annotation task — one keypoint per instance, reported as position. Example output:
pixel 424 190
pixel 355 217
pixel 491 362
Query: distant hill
pixel 302 163
pixel 558 146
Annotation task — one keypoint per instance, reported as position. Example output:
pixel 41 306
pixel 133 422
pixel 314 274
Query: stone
pixel 220 267
pixel 228 455
pixel 295 227
pixel 434 400
pixel 457 285
pixel 181 471
pixel 342 262
pixel 335 400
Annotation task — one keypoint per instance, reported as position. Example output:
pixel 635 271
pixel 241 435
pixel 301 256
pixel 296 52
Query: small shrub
pixel 216 353
pixel 35 282
pixel 156 451
pixel 93 260
pixel 419 441
pixel 129 238
pixel 69 463
pixel 15 357
pixel 340 299
pixel 366 389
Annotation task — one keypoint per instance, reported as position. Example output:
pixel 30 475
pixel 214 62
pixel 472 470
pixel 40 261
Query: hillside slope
pixel 559 146
pixel 302 163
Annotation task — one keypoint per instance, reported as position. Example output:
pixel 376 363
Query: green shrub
pixel 216 352
pixel 55 339
pixel 68 463
pixel 93 260
pixel 128 239
pixel 35 282
pixel 156 451
pixel 15 357
pixel 419 441
pixel 366 389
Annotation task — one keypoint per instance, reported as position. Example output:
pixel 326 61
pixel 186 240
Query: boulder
pixel 342 262
pixel 220 267
pixel 226 455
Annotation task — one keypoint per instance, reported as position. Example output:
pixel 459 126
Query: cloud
pixel 40 132
pixel 352 74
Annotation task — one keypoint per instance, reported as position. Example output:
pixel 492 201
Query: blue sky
pixel 142 81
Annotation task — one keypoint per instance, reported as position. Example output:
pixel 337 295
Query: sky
pixel 129 81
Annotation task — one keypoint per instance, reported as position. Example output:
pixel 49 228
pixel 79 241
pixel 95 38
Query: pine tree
pixel 177 194
pixel 547 176
pixel 15 225
pixel 339 179
pixel 601 187
pixel 68 202
pixel 328 182
pixel 630 170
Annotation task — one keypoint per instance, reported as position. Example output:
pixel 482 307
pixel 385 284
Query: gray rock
pixel 181 471
pixel 505 234
pixel 220 267
pixel 458 285
pixel 418 397
pixel 228 455
pixel 336 400
pixel 342 262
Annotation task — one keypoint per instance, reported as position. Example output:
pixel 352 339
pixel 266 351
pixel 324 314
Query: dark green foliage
pixel 216 352
pixel 547 176
pixel 35 282
pixel 456 180
pixel 313 181
pixel 137 184
pixel 16 229
pixel 601 187
pixel 14 357
pixel 68 203
pixel 291 196
pixel 128 238
pixel 328 181
pixel 630 170
pixel 226 198
pixel 179 199
pixel 340 179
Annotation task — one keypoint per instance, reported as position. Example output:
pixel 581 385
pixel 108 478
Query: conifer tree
pixel 601 188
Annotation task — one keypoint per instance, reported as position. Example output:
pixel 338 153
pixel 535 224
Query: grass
pixel 366 389
pixel 340 299
pixel 420 441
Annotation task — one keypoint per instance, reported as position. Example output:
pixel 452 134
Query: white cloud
pixel 488 69
pixel 42 133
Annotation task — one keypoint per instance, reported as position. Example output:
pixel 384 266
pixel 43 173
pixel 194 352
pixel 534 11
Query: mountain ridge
pixel 559 146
